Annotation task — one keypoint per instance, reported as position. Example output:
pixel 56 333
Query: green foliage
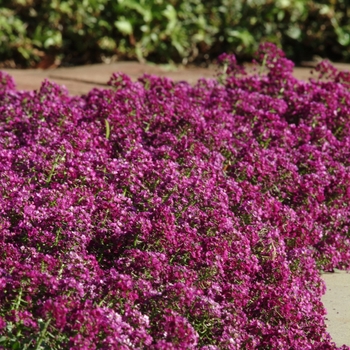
pixel 78 32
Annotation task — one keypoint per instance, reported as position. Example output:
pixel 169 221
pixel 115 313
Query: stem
pixel 53 169
pixel 19 299
pixel 263 64
pixel 108 129
pixel 42 334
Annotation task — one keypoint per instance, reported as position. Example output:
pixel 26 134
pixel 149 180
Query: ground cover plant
pixel 160 215
pixel 44 33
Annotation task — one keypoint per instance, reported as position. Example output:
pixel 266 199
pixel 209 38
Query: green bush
pixel 170 30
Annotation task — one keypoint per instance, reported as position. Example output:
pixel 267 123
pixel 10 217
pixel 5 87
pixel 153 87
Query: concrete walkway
pixel 337 303
pixel 80 80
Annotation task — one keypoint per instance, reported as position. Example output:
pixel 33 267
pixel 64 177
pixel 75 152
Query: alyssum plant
pixel 160 215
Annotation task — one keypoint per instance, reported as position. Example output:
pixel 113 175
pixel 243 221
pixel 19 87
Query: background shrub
pixel 164 31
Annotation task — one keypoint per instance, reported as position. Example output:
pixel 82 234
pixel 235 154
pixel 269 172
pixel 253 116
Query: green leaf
pixel 283 4
pixel 243 35
pixel 139 52
pixel 3 339
pixel 124 26
pixel 25 53
pixel 294 32
pixel 138 7
pixel 106 43
pixel 343 37
pixel 171 14
pixel 54 40
pixel 64 7
pixel 108 129
pixel 280 15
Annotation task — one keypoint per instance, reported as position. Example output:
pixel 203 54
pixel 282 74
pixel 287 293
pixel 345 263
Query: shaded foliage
pixel 37 33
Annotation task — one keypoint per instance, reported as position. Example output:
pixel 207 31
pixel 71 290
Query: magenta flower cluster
pixel 160 215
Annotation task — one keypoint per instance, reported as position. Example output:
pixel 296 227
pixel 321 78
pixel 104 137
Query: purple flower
pixel 162 215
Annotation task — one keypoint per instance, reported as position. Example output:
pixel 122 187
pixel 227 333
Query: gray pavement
pixel 80 80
